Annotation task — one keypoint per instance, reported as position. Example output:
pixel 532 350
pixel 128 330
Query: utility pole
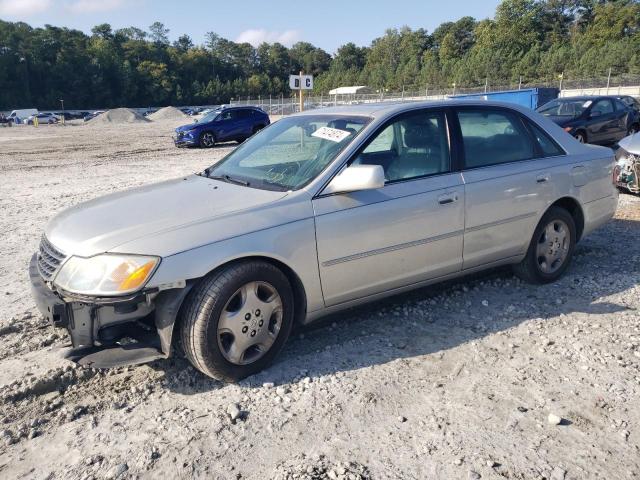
pixel 62 104
pixel 561 79
pixel 301 94
pixel 520 83
pixel 486 84
pixel 608 80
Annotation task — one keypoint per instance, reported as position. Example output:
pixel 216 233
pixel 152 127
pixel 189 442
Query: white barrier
pixel 577 92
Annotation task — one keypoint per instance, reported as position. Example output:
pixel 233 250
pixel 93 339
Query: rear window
pixel 492 137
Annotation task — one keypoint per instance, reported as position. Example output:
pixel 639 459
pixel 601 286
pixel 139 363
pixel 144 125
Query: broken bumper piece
pixel 111 332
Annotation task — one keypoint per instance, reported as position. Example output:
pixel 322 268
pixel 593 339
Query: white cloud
pixel 23 8
pixel 91 6
pixel 256 36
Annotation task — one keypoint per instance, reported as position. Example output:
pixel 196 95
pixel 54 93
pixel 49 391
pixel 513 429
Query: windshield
pixel 565 108
pixel 289 153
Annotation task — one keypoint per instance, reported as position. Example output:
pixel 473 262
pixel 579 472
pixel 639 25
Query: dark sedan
pixel 601 120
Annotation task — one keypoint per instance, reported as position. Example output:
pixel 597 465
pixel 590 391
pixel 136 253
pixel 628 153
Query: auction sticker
pixel 333 134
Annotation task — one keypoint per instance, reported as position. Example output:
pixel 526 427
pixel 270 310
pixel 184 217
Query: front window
pixel 290 153
pixel 210 117
pixel 565 108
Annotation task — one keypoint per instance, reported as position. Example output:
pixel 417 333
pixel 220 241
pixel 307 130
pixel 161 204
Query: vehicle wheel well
pixel 299 294
pixel 572 206
pixel 582 132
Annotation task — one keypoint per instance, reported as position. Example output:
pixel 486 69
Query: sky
pixel 326 24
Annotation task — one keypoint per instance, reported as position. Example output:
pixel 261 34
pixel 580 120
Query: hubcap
pixel 250 323
pixel 553 246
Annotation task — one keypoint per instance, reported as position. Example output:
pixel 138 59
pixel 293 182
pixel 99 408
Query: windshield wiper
pixel 229 179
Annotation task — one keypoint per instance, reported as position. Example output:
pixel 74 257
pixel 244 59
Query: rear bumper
pixel 107 332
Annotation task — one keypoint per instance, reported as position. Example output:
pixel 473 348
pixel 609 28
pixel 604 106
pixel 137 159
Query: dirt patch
pixel 118 116
pixel 168 113
pixel 451 381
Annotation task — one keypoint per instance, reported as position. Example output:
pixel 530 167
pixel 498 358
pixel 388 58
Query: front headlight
pixel 106 274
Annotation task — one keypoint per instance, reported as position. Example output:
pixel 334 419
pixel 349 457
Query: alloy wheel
pixel 250 323
pixel 208 140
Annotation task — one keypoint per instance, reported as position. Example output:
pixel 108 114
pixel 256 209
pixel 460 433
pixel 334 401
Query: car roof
pixel 383 109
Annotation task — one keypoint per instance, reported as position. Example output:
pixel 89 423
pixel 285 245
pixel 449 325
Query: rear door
pixel 506 183
pixel 623 112
pixel 603 122
pixel 409 230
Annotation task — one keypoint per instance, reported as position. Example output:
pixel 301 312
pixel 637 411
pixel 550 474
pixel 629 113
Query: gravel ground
pixel 485 377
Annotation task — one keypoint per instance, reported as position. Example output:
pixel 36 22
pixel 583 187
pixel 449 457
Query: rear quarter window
pixel 548 146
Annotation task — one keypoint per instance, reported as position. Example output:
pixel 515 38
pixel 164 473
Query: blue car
pixel 222 125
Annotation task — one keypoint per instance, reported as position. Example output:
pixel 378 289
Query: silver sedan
pixel 318 212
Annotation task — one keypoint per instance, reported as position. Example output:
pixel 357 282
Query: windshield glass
pixel 289 153
pixel 565 108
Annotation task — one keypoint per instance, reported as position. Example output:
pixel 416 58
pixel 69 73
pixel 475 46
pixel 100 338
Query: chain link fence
pixel 286 105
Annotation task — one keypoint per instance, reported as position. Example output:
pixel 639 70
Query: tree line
pixel 533 40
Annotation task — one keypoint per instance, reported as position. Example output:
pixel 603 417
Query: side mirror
pixel 596 113
pixel 357 177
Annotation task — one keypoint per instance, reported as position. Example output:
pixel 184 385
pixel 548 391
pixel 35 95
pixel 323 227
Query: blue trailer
pixel 528 97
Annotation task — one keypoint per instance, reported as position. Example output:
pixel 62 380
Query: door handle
pixel 542 178
pixel 447 198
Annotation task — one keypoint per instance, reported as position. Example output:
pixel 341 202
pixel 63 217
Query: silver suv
pixel 318 212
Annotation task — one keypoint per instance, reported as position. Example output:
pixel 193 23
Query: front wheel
pixel 207 140
pixel 635 128
pixel 237 320
pixel 551 248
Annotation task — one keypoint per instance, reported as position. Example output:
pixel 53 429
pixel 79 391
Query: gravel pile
pixel 485 377
pixel 319 468
pixel 118 116
pixel 168 113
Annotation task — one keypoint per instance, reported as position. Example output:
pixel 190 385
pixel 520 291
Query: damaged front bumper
pixel 109 332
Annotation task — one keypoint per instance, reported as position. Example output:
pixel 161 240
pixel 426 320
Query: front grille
pixel 49 259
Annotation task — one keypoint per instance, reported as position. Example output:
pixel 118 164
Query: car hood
pixel 102 224
pixel 190 126
pixel 631 144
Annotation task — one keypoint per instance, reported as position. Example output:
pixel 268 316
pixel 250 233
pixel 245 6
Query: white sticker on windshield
pixel 333 134
pixel 587 104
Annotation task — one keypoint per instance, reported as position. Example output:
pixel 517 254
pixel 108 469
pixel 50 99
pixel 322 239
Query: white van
pixel 19 116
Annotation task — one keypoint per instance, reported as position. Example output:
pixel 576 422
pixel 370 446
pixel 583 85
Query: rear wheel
pixel 237 320
pixel 635 128
pixel 551 248
pixel 207 140
pixel 581 136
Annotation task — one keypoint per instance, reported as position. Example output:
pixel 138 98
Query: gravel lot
pixel 485 377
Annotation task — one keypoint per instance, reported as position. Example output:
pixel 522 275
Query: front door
pixel 409 230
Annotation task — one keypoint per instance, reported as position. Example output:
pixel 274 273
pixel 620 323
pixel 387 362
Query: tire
pixel 581 136
pixel 256 129
pixel 207 139
pixel 540 267
pixel 635 128
pixel 224 332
